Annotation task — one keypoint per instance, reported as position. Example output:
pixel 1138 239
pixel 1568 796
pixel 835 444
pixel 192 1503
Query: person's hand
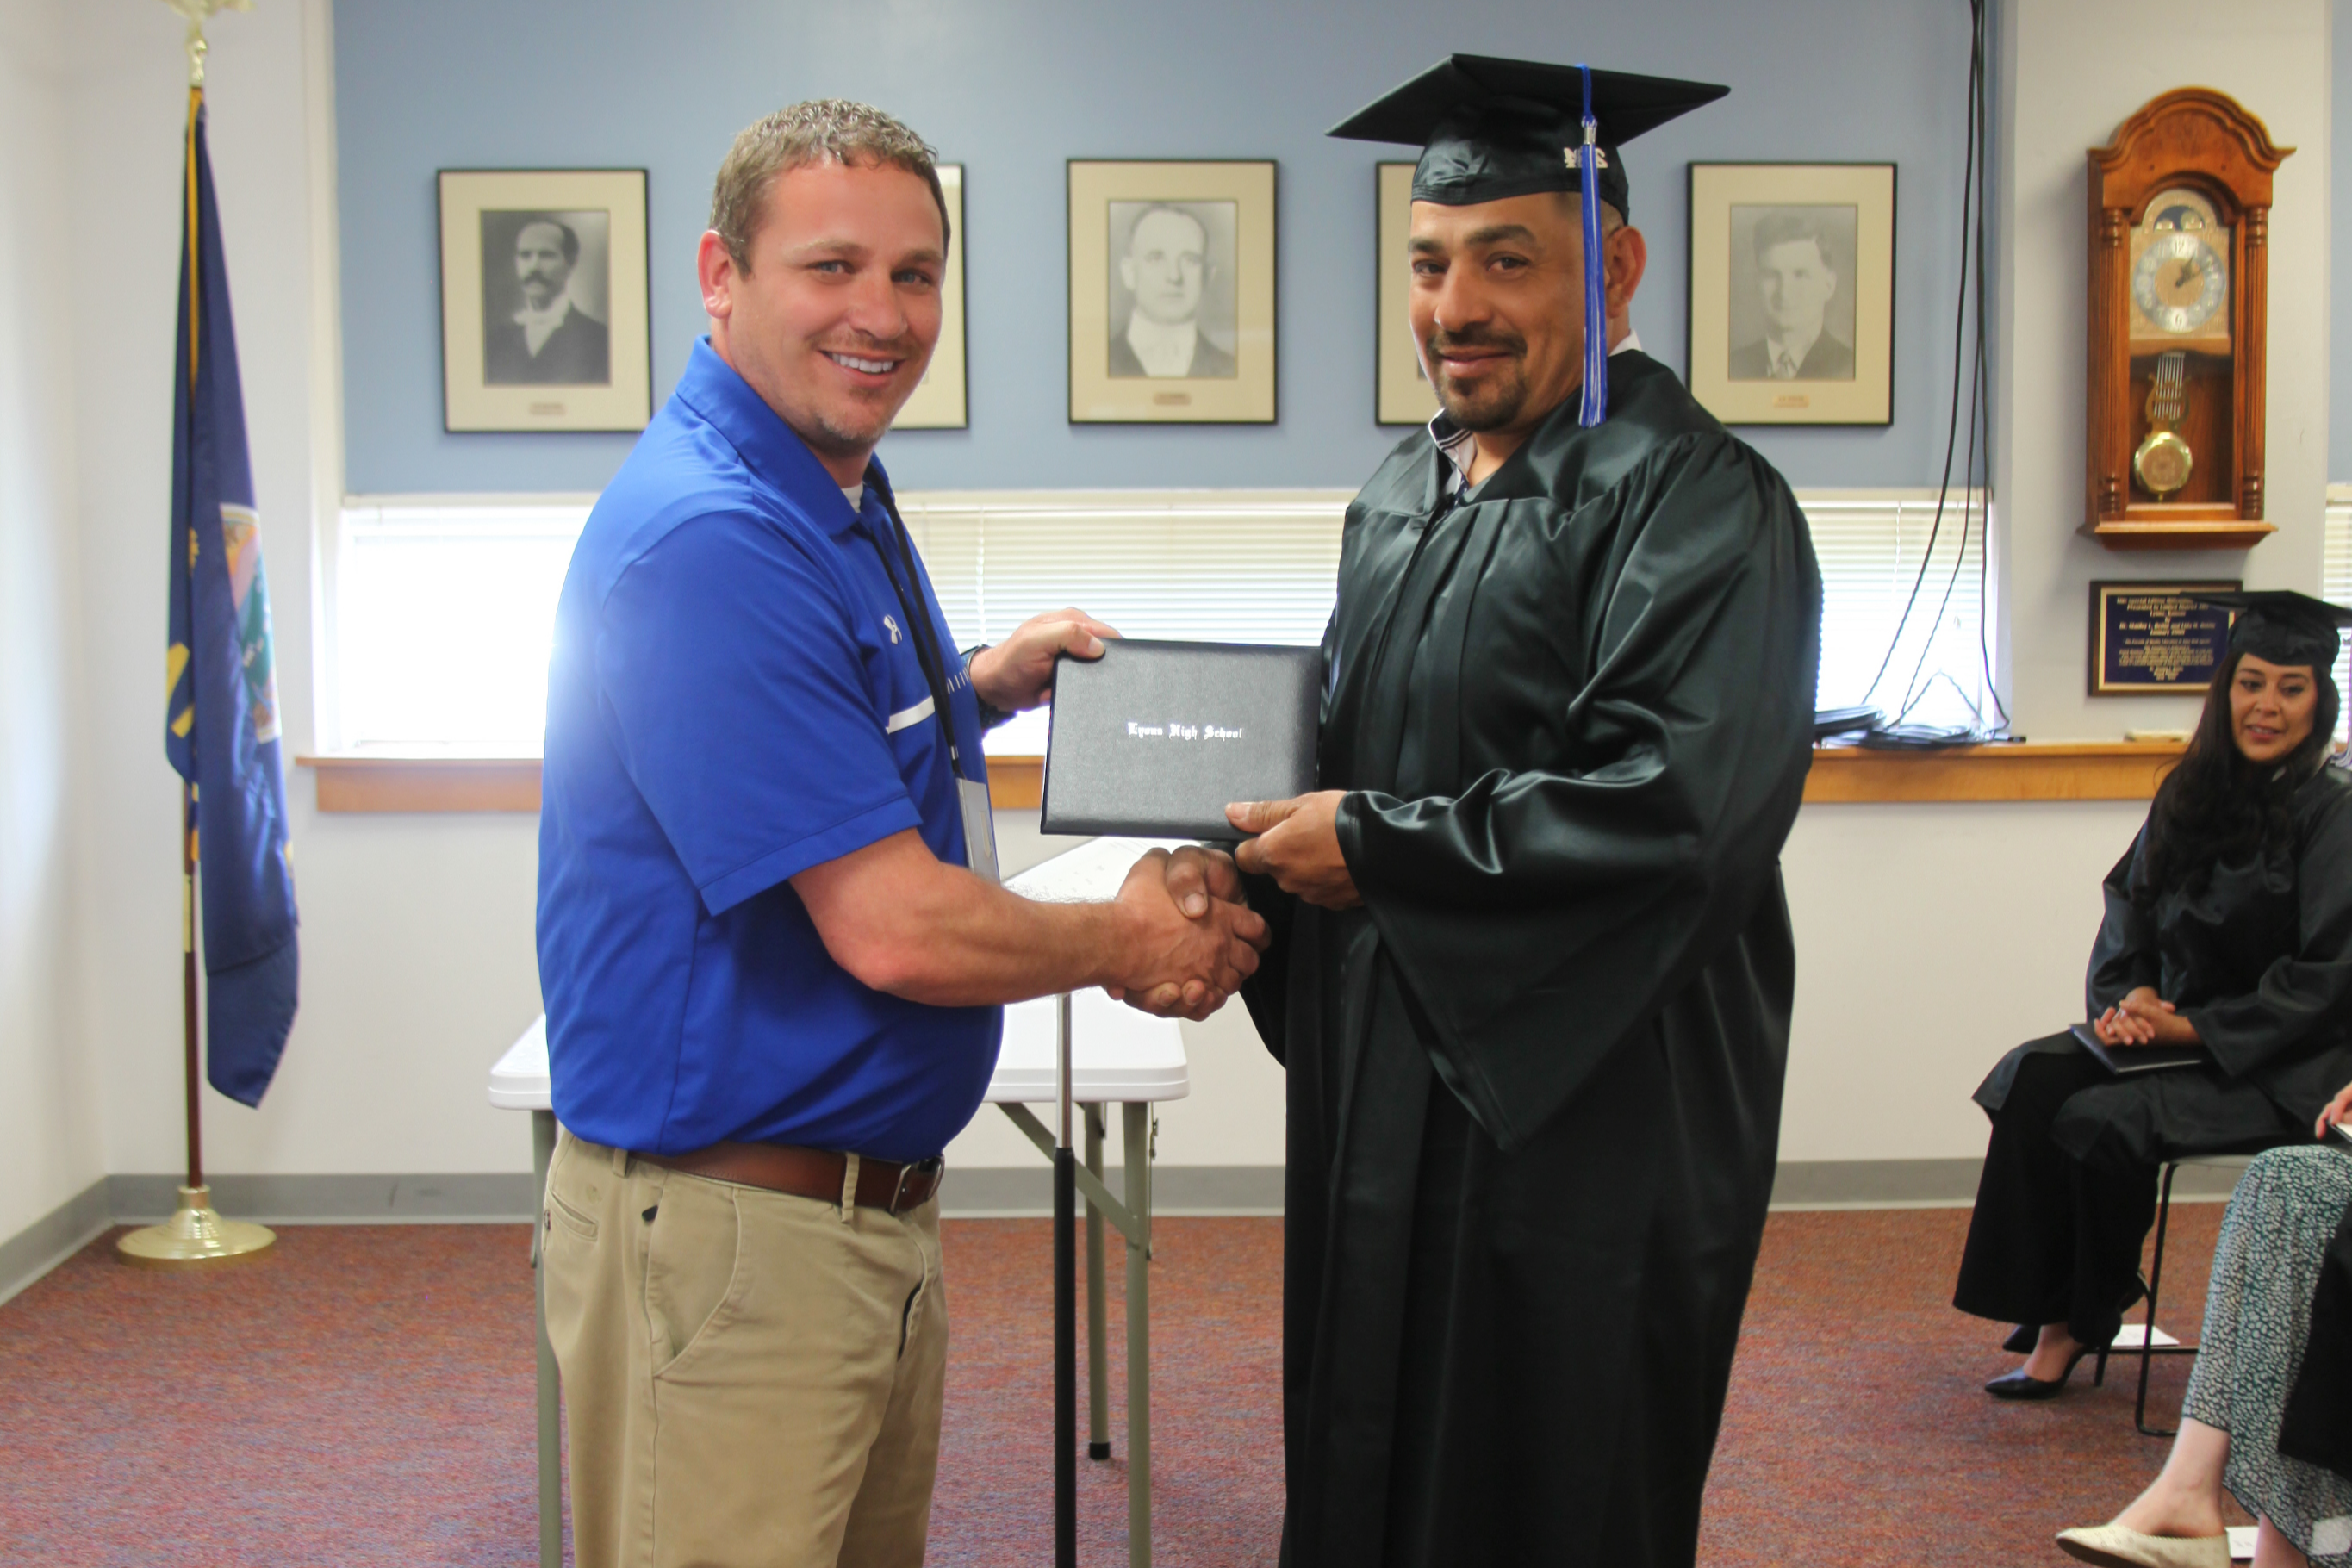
pixel 1178 966
pixel 1197 873
pixel 2143 1018
pixel 1296 842
pixel 2339 1110
pixel 1018 672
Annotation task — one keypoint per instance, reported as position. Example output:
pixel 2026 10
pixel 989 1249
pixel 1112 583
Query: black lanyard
pixel 919 618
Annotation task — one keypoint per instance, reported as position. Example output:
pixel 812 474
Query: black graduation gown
pixel 2259 958
pixel 1535 1082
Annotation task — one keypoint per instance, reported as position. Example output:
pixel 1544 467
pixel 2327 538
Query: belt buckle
pixel 931 1167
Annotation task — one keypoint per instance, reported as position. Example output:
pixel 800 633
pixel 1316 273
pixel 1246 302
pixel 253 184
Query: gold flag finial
pixel 199 12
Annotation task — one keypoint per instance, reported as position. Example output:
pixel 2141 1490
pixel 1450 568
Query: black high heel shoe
pixel 2019 1385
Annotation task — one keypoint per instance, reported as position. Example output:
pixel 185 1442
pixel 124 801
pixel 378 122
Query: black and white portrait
pixel 1792 306
pixel 546 298
pixel 1171 290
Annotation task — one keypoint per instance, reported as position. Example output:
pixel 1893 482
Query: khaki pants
pixel 750 1380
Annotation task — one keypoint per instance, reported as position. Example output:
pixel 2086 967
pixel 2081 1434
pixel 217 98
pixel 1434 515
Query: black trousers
pixel 2069 1185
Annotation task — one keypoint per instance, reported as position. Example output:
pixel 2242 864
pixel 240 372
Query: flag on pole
pixel 221 726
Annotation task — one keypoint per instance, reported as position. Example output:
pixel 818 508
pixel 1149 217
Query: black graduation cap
pixel 1491 129
pixel 2283 627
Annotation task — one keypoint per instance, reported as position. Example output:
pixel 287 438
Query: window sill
pixel 2064 770
pixel 419 782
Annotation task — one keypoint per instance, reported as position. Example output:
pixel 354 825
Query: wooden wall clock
pixel 2180 207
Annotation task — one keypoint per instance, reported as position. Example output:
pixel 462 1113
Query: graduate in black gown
pixel 1535 973
pixel 2227 928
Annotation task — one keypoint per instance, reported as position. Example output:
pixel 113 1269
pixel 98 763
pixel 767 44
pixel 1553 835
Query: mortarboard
pixel 1492 129
pixel 2283 627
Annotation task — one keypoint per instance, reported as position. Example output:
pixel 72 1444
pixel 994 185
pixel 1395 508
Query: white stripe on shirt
pixel 906 715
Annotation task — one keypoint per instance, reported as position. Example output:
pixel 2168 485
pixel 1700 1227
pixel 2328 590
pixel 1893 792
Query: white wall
pixel 417 951
pixel 50 1143
pixel 2073 70
pixel 1930 940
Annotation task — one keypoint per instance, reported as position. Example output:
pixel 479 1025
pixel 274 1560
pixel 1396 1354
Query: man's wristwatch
pixel 991 716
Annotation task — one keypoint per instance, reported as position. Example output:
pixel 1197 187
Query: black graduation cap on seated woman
pixel 2281 627
pixel 1492 129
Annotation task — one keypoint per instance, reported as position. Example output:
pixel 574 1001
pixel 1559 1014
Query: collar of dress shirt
pixel 538 326
pixel 1162 349
pixel 1792 350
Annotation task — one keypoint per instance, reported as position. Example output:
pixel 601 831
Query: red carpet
pixel 363 1395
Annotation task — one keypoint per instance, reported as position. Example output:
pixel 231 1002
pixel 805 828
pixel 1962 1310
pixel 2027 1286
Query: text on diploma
pixel 1171 731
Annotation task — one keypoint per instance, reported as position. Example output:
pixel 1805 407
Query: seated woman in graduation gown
pixel 2268 1417
pixel 2229 929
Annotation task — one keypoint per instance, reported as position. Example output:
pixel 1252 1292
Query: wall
pixel 2275 56
pixel 1013 89
pixel 50 1149
pixel 417 951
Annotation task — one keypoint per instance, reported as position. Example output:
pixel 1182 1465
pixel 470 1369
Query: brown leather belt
pixel 811 1172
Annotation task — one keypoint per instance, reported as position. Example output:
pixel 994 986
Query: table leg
pixel 1097 1352
pixel 551 1438
pixel 1137 1138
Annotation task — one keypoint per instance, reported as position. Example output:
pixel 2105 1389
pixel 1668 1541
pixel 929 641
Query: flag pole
pixel 196 1235
pixel 188 984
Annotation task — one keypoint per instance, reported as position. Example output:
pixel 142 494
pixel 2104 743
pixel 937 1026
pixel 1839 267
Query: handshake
pixel 1186 940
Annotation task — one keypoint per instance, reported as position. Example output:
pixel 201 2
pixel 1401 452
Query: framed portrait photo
pixel 1171 292
pixel 939 400
pixel 1792 292
pixel 1402 393
pixel 546 320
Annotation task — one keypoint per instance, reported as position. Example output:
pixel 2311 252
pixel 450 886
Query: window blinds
pixel 442 608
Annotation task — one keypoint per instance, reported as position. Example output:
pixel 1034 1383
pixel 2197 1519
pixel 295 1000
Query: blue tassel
pixel 1596 309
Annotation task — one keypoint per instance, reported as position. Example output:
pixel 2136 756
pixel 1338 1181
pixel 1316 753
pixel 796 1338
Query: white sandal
pixel 2113 1546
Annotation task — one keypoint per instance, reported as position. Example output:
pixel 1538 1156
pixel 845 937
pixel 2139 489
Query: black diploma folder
pixel 1151 740
pixel 2125 1060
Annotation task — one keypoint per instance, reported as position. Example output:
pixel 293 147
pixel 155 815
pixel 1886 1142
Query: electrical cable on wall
pixel 1975 505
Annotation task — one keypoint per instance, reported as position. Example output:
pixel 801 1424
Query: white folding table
pixel 1118 1057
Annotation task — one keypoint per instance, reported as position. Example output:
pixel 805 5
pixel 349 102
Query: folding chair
pixel 2149 1348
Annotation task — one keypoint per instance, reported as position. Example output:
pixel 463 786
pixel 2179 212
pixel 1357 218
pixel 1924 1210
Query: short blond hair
pixel 823 130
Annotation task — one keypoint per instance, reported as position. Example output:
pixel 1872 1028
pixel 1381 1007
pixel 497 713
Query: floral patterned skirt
pixel 2257 1317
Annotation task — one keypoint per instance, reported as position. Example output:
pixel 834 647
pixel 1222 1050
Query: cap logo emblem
pixel 1568 156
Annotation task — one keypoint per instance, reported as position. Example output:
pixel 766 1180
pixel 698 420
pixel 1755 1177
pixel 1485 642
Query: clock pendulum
pixel 2163 463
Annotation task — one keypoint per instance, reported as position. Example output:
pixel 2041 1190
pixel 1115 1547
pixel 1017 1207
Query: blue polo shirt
pixel 734 696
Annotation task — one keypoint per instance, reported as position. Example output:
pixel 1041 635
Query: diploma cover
pixel 2125 1060
pixel 1151 740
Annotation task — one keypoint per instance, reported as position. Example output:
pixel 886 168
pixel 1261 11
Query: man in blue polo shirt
pixel 772 976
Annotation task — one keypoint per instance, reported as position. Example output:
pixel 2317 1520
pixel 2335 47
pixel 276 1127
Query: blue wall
pixel 1011 89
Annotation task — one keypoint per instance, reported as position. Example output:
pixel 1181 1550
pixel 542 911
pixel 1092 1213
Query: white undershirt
pixel 855 495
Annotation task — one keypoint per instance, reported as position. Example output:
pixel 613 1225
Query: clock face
pixel 2180 275
pixel 2179 283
